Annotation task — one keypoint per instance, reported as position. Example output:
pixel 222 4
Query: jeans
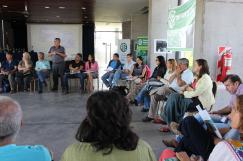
pixel 143 95
pixel 42 75
pixel 231 134
pixel 119 74
pixel 81 76
pixel 11 79
pixel 107 78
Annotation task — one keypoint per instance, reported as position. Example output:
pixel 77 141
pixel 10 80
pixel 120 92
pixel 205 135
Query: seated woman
pixel 105 133
pixel 91 72
pixel 171 67
pixel 76 68
pixel 24 73
pixel 200 93
pixel 42 69
pixel 199 143
pixel 138 76
pixel 154 81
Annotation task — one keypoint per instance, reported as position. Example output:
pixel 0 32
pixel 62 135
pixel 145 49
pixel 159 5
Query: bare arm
pixel 226 110
pixel 143 73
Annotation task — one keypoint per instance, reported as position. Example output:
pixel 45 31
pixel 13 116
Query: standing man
pixel 8 71
pixel 57 54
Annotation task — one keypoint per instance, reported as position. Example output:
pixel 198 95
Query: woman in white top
pixel 199 93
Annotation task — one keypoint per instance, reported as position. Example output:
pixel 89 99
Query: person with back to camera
pixel 105 133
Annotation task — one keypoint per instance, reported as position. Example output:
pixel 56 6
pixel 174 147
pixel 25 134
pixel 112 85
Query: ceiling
pixel 71 11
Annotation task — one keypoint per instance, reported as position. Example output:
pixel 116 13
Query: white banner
pixel 124 48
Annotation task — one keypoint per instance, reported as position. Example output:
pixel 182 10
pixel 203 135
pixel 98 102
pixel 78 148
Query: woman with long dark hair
pixel 105 133
pixel 154 81
pixel 91 72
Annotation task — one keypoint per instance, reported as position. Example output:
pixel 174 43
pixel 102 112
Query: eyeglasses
pixel 156 60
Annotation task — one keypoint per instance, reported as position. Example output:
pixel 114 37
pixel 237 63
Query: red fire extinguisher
pixel 224 64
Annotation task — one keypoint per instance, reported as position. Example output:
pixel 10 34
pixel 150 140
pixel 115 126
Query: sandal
pixel 164 129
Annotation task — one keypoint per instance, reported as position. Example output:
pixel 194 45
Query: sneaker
pixel 12 92
pixel 54 89
pixel 135 102
pixel 145 110
pixel 40 92
pixel 147 119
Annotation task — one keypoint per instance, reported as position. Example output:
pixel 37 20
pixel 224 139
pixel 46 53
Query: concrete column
pixel 158 18
pixel 126 30
pixel 219 23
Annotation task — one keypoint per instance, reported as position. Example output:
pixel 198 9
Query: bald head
pixel 10 118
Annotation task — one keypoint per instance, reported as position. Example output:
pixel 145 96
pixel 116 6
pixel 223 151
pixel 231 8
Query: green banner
pixel 142 47
pixel 181 20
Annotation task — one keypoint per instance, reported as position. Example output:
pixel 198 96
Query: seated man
pixel 42 68
pixel 11 121
pixel 76 67
pixel 183 76
pixel 114 64
pixel 8 71
pixel 234 86
pixel 126 71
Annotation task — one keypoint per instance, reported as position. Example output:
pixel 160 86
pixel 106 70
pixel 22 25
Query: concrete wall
pixel 126 30
pixel 139 26
pixel 222 25
pixel 158 18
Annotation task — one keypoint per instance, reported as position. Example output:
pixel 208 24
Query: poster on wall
pixel 160 46
pixel 181 24
pixel 142 48
pixel 124 48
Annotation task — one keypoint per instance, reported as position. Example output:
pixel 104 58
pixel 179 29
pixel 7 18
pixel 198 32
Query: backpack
pixel 148 72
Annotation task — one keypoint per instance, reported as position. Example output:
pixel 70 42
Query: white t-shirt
pixel 186 76
pixel 129 65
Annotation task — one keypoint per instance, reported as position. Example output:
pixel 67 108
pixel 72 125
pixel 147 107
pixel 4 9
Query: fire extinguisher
pixel 224 65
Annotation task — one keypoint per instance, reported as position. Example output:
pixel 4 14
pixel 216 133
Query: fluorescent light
pixel 61 7
pixel 58 16
pixel 85 17
pixel 4 6
pixel 47 7
pixel 83 8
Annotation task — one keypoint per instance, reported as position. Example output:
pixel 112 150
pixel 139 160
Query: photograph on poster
pixel 160 46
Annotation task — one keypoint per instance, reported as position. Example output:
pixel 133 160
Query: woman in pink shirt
pixel 91 68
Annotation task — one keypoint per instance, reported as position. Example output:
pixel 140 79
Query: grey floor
pixel 52 119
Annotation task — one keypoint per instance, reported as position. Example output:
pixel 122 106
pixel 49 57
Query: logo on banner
pixel 123 47
pixel 172 21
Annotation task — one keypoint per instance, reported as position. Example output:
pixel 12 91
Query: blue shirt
pixel 9 66
pixel 42 65
pixel 24 153
pixel 113 64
